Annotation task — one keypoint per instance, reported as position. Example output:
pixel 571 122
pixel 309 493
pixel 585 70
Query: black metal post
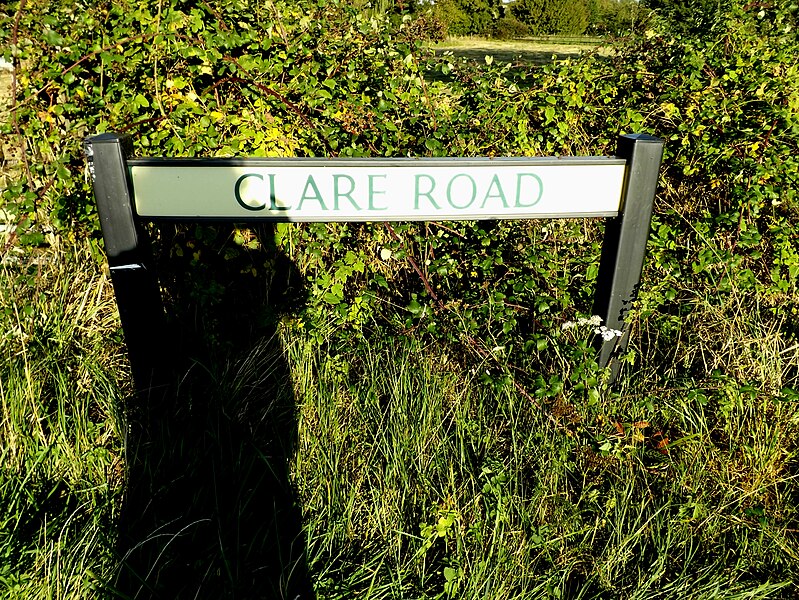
pixel 624 244
pixel 127 246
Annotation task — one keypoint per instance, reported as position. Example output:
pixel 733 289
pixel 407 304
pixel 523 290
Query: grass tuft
pixel 62 468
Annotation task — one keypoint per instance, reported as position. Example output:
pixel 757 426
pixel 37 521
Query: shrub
pixel 292 85
pixel 468 17
pixel 427 26
pixel 509 27
pixel 692 16
pixel 617 17
pixel 456 20
pixel 552 17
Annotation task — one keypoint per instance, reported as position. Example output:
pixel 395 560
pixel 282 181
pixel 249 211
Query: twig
pixel 133 124
pixel 290 105
pixel 471 342
pixel 416 268
pixel 219 18
pixel 11 239
pixel 449 229
pixel 768 135
pixel 82 59
pixel 14 120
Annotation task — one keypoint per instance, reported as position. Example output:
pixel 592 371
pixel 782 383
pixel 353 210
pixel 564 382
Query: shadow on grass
pixel 210 510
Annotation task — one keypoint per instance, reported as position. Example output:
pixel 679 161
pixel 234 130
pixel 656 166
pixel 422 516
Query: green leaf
pixel 52 38
pixel 414 307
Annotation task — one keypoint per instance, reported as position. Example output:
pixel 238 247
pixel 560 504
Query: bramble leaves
pixel 325 79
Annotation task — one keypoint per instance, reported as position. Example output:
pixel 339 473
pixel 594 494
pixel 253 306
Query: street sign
pixel 131 191
pixel 377 189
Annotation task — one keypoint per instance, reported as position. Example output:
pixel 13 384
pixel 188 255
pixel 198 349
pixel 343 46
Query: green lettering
pixel 429 193
pixel 272 200
pixel 519 203
pixel 449 191
pixel 373 191
pixel 310 183
pixel 237 193
pixel 498 194
pixel 337 193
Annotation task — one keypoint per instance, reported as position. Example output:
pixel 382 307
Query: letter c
pixel 237 192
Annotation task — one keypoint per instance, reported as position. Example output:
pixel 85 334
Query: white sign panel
pixel 377 190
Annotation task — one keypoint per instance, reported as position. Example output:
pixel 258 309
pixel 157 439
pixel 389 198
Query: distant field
pixel 533 50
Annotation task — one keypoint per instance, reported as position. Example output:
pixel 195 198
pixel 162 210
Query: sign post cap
pixel 105 138
pixel 643 137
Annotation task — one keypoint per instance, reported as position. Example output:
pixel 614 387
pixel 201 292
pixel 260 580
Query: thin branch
pixel 473 344
pixel 14 120
pixel 290 105
pixel 78 62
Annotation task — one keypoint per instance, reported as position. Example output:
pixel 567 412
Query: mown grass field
pixel 357 451
pixel 522 51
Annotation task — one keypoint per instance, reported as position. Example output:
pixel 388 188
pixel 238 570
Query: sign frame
pixel 383 188
pixel 137 290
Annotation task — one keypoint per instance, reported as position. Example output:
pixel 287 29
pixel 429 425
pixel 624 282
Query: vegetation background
pixel 407 415
pixel 521 18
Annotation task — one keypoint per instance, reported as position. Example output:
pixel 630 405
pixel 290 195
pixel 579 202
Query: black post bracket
pixel 624 245
pixel 130 261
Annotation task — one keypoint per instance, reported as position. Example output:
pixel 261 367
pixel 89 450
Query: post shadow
pixel 210 510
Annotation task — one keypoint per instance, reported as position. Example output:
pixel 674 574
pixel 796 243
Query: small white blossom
pixel 593 321
pixel 607 333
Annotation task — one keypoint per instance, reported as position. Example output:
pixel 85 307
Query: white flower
pixel 593 321
pixel 606 333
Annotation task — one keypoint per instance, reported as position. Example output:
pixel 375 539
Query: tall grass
pixel 418 481
pixel 62 465
pixel 295 465
pixel 403 473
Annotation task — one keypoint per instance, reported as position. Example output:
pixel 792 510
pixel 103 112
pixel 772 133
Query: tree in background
pixel 692 16
pixel 617 17
pixel 390 8
pixel 551 17
pixel 469 17
pixel 509 27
